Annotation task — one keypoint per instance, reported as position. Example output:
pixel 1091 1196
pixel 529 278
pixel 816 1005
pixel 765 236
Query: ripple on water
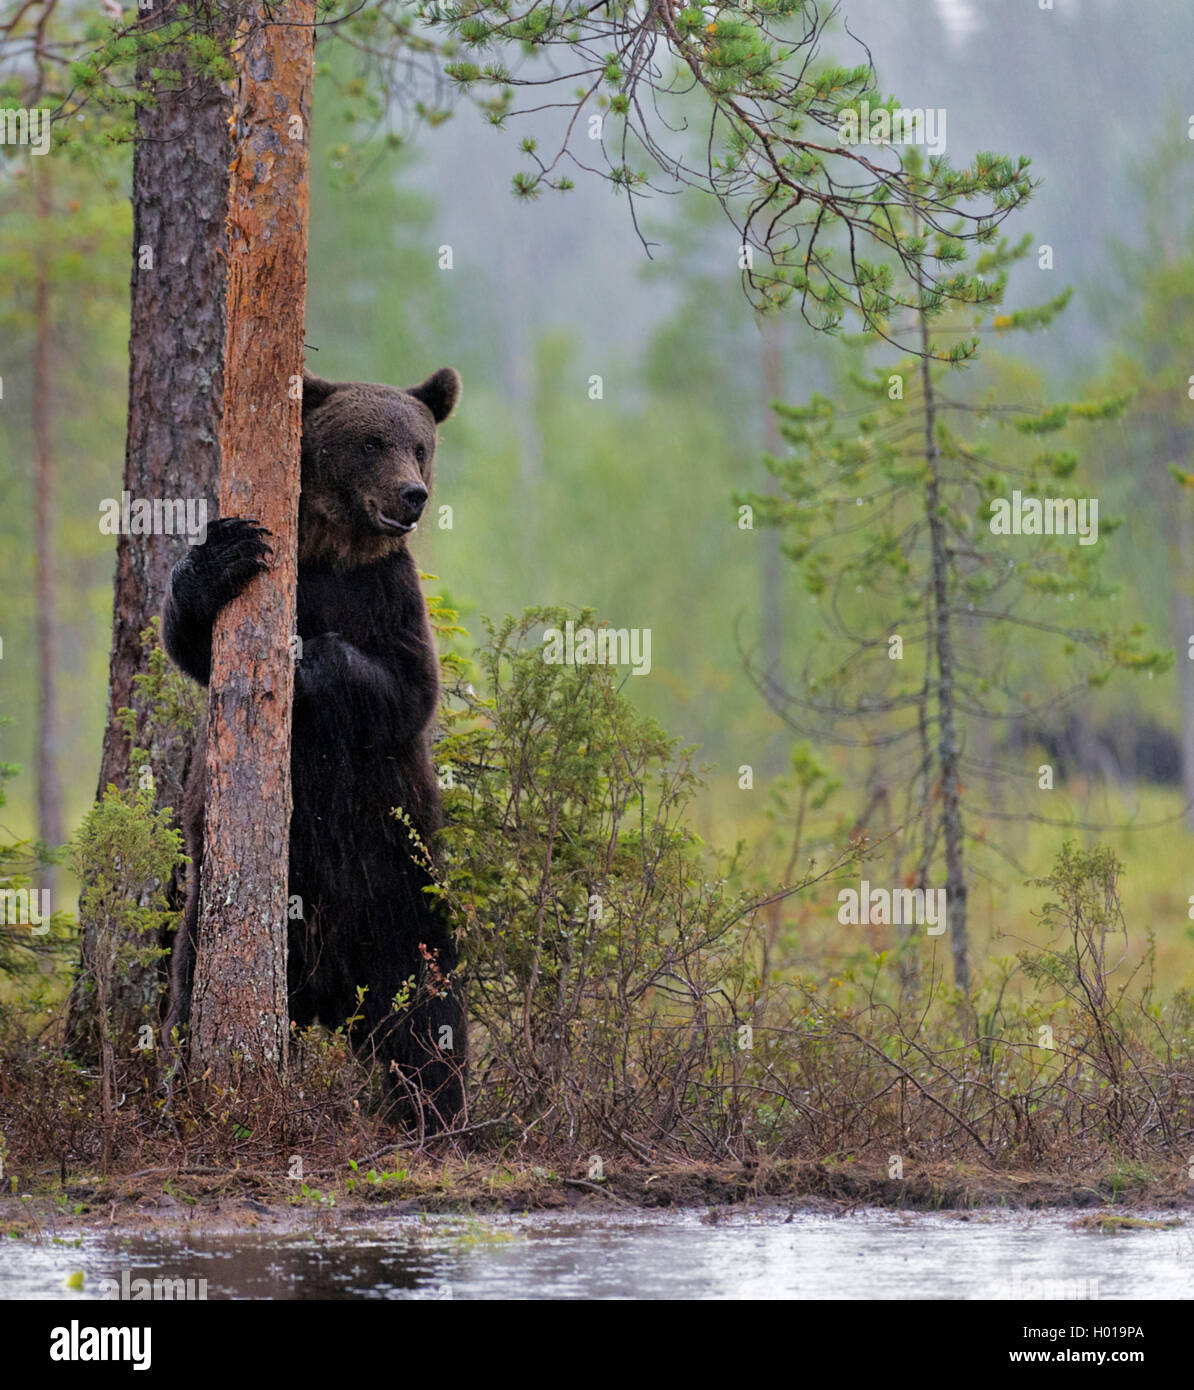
pixel 866 1255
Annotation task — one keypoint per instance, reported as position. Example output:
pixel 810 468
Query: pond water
pixel 865 1255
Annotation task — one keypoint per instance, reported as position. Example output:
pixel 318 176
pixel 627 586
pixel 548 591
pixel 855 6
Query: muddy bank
pixel 242 1199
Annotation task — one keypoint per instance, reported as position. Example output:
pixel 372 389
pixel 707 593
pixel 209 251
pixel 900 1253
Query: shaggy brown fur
pixel 366 691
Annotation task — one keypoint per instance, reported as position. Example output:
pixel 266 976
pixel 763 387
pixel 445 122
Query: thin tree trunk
pixel 49 788
pixel 1183 612
pixel 948 752
pixel 928 833
pixel 240 1017
pixel 771 574
pixel 172 448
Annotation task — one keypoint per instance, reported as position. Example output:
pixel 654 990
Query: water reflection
pixel 888 1255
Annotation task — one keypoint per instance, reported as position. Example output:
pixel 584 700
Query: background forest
pixel 629 504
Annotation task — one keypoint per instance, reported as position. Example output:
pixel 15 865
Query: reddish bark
pixel 239 1019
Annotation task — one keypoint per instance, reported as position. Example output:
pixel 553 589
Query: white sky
pixel 960 17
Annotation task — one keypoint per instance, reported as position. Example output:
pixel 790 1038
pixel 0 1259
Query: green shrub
pixel 605 949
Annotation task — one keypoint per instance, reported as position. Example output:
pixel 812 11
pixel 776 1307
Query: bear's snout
pixel 404 511
pixel 413 497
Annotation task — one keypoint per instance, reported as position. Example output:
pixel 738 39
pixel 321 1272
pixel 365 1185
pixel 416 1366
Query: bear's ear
pixel 315 390
pixel 439 393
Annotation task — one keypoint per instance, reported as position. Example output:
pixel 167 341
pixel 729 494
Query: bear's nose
pixel 414 498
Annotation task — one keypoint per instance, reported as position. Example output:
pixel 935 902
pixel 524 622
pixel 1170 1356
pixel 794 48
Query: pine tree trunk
pixel 49 788
pixel 771 570
pixel 1183 612
pixel 240 1018
pixel 172 448
pixel 947 738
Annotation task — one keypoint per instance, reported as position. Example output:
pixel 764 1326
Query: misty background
pixel 625 503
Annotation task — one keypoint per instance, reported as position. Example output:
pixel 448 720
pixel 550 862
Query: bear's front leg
pixel 370 696
pixel 204 580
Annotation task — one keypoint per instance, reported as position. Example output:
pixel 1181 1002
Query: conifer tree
pixel 949 613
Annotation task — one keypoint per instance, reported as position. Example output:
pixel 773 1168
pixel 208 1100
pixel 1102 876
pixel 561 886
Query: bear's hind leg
pixel 423 1051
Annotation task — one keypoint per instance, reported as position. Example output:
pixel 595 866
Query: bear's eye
pixel 420 453
pixel 371 446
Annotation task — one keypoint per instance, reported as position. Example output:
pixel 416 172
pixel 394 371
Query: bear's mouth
pixel 388 523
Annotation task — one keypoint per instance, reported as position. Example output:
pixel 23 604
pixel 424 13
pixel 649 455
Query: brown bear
pixel 365 698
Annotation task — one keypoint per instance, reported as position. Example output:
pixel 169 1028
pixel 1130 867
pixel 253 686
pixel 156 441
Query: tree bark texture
pixel 172 448
pixel 240 1015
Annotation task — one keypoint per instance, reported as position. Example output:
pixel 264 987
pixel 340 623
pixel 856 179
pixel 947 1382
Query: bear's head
pixel 367 463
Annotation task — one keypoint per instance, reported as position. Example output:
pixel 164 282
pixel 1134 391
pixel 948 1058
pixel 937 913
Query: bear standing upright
pixel 365 696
